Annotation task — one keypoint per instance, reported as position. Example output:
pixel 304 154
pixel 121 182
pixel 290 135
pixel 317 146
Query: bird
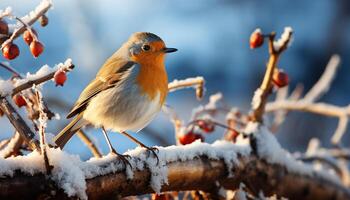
pixel 128 91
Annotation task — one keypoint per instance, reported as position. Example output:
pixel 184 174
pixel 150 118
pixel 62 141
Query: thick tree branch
pixel 256 174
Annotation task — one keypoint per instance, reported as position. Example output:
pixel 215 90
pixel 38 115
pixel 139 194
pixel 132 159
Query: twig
pixel 12 147
pixel 94 150
pixel 20 125
pixel 280 115
pixel 10 69
pixel 260 96
pixel 42 125
pixel 40 80
pixel 197 83
pixel 40 10
pixel 324 82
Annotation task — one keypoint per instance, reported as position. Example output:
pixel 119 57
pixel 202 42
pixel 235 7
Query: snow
pixel 270 150
pixel 43 71
pixel 42 6
pixel 70 172
pixel 257 98
pixel 284 37
pixel 6 12
pixel 258 30
pixel 213 104
pixel 6 86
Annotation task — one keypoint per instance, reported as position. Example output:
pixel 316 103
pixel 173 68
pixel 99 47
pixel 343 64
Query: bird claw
pixel 153 150
pixel 123 158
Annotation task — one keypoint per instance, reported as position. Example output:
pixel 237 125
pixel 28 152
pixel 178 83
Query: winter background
pixel 213 41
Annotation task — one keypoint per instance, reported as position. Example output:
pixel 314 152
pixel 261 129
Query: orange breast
pixel 152 78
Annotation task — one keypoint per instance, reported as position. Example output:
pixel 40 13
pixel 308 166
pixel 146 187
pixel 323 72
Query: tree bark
pixel 198 174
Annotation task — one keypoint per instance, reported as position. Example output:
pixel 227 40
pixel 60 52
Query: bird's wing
pixel 112 72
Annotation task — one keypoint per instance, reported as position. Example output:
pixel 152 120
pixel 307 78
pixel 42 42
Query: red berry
pixel 60 77
pixel 256 39
pixel 10 51
pixel 280 79
pixel 44 20
pixel 4 28
pixel 27 36
pixel 19 100
pixel 36 48
pixel 206 126
pixel 189 138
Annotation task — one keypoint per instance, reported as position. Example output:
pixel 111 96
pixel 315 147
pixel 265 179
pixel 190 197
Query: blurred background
pixel 213 42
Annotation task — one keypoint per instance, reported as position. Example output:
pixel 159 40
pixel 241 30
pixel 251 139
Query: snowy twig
pixel 275 50
pixel 197 83
pixel 20 125
pixel 28 84
pixel 12 147
pixel 29 19
pixel 94 150
pixel 308 104
pixel 323 84
pixel 282 94
pixel 42 126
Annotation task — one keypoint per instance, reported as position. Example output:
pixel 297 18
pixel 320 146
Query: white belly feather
pixel 121 109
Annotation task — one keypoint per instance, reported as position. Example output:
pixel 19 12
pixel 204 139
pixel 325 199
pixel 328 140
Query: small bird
pixel 127 92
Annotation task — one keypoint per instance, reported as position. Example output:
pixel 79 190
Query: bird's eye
pixel 146 47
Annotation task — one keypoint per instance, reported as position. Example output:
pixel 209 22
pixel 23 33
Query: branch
pixel 12 147
pixel 28 84
pixel 94 150
pixel 257 174
pixel 197 83
pixel 262 93
pixel 20 125
pixel 325 81
pixel 29 19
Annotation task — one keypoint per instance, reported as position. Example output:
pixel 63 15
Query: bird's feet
pixel 154 151
pixel 123 158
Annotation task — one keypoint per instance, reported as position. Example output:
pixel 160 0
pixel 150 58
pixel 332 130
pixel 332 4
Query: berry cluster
pixel 198 128
pixel 11 51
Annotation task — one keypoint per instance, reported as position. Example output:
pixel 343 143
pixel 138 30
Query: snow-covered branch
pixel 180 168
pixel 29 19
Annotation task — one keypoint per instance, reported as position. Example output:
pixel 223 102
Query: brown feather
pixel 110 74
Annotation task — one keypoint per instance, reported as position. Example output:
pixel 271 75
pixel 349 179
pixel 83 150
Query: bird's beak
pixel 169 50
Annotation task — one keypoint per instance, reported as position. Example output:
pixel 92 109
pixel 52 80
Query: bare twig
pixel 10 69
pixel 260 96
pixel 94 150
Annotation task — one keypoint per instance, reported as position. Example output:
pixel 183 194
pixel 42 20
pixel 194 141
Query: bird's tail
pixel 62 138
